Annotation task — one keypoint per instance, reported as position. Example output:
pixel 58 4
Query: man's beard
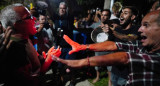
pixel 126 23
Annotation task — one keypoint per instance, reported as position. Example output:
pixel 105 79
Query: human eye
pixel 145 24
pixel 125 13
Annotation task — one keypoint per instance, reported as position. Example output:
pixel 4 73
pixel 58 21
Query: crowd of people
pixel 30 47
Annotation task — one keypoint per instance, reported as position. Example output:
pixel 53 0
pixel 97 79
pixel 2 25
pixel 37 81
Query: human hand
pixel 75 46
pixel 5 39
pixel 72 63
pixel 105 27
pixel 55 52
pixel 51 52
pixel 40 27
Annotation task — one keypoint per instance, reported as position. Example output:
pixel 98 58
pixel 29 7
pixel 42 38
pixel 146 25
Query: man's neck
pixel 18 37
pixel 154 48
pixel 127 27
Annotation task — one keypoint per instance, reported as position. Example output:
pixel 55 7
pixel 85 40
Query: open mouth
pixel 121 19
pixel 143 37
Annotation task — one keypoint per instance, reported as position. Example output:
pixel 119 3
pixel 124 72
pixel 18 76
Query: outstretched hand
pixel 75 46
pixel 55 52
pixel 51 52
pixel 71 63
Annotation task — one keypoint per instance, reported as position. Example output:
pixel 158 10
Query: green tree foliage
pixel 4 3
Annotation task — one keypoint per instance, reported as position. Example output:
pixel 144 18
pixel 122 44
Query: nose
pixel 140 29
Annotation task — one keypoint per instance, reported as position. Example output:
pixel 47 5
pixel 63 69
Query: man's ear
pixel 133 17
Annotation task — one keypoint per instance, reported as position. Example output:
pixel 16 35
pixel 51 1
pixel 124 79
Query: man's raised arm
pixel 103 46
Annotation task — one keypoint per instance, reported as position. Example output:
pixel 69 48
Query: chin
pixel 121 23
pixel 144 44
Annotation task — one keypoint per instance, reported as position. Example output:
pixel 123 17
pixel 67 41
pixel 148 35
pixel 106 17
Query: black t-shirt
pixel 132 30
pixel 122 70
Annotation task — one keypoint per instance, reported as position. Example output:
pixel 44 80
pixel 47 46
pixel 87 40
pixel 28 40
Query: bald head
pixel 22 11
pixel 153 16
pixel 150 30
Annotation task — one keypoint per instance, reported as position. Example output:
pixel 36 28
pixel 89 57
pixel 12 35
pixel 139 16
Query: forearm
pixel 124 37
pixel 103 46
pixel 32 55
pixel 109 59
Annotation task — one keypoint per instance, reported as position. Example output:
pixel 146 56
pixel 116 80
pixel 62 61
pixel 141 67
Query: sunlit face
pixel 25 26
pixel 62 10
pixel 150 30
pixel 125 17
pixel 42 19
pixel 104 16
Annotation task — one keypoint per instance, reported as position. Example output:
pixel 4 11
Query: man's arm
pixel 103 46
pixel 33 57
pixel 124 37
pixel 109 59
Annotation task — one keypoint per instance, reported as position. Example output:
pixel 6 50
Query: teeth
pixel 121 19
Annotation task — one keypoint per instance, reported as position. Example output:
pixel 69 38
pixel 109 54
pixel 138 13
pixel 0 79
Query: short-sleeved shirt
pixel 143 66
pixel 122 70
pixel 133 30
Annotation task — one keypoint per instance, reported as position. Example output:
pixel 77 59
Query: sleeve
pixel 128 46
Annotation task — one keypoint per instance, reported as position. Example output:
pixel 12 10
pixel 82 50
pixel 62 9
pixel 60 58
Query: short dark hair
pixel 108 12
pixel 133 9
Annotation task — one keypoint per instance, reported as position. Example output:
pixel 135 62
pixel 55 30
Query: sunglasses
pixel 28 17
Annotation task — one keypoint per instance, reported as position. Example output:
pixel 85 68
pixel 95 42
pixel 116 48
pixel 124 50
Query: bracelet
pixel 88 61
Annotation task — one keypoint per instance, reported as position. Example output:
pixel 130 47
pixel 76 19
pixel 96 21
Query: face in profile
pixel 150 30
pixel 26 25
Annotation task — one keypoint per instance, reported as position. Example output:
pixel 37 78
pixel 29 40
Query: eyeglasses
pixel 28 17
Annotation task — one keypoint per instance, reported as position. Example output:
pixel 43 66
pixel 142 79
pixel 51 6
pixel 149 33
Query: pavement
pixel 51 80
pixel 80 82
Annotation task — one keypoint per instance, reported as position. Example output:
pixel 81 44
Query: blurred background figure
pixel 44 34
pixel 155 6
pixel 116 8
pixel 64 24
pixel 105 16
